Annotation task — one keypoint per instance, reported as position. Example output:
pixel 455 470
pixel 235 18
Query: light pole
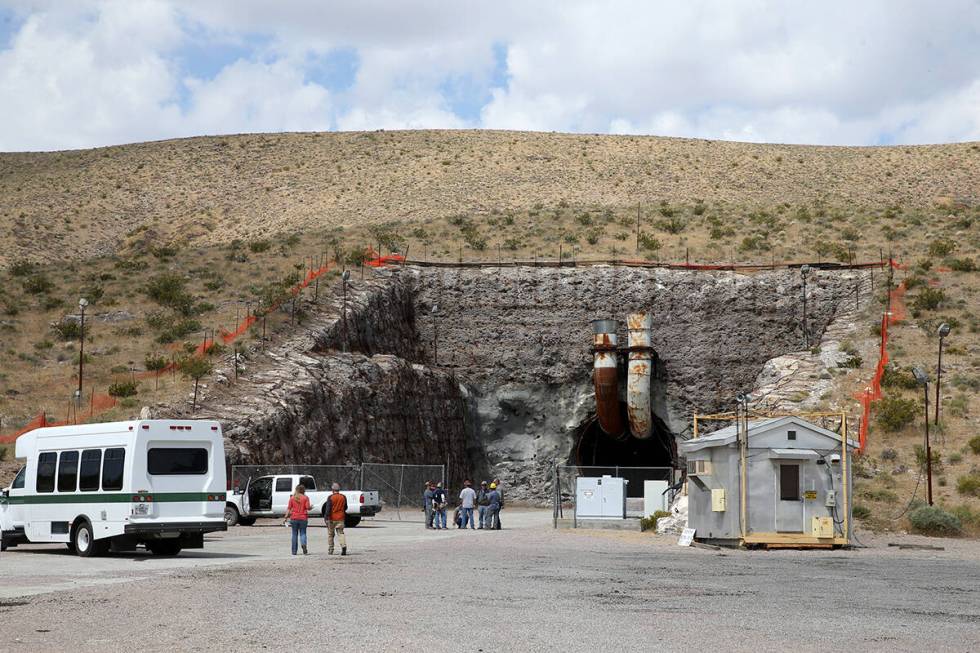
pixel 943 332
pixel 805 270
pixel 82 303
pixel 923 380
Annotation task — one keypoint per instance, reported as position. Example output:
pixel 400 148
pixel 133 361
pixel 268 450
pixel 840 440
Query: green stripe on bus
pixel 101 497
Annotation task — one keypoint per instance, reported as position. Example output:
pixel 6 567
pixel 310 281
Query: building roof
pixel 728 435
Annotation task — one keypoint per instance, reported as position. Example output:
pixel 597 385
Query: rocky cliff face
pixel 520 339
pixel 489 370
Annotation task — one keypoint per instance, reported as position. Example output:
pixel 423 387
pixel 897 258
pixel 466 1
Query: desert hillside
pixel 78 204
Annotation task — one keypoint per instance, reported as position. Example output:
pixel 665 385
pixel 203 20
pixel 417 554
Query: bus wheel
pixel 231 516
pixel 83 541
pixel 164 547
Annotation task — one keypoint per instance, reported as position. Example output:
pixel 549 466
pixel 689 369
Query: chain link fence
pixel 401 487
pixel 566 478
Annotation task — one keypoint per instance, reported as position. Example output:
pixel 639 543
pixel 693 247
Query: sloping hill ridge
pixel 76 204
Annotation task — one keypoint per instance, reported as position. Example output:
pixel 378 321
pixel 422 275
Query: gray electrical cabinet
pixel 600 498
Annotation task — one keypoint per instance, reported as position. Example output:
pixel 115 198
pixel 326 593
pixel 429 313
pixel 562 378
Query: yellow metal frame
pixel 785 539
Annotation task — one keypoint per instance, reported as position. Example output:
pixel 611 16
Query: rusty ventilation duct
pixel 640 369
pixel 605 376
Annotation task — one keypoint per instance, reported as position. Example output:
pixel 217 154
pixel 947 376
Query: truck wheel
pixel 164 547
pixel 83 541
pixel 350 521
pixel 231 516
pixel 246 521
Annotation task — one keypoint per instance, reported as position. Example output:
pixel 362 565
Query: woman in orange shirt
pixel 297 515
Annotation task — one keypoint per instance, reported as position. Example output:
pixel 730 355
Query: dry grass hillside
pixel 65 205
pixel 169 239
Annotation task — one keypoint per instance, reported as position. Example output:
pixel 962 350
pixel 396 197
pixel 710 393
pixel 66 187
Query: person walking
pixel 500 494
pixel 439 503
pixel 483 502
pixel 493 508
pixel 467 502
pixel 297 516
pixel 427 497
pixel 337 506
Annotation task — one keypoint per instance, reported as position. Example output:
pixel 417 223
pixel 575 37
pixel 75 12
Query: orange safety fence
pixel 101 403
pixel 872 393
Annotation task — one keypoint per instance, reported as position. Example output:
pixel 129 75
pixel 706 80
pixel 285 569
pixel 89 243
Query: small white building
pixel 797 484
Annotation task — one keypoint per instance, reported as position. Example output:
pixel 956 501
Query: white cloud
pixel 94 72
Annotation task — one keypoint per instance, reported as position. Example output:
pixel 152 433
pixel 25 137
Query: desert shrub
pixel 897 377
pixel 699 208
pixel 958 406
pixel 932 520
pixel 969 484
pixel 124 389
pixel 649 243
pixel 593 235
pixel 955 458
pixel 43 345
pixel 895 413
pixel 4 452
pixel 164 251
pixel 928 299
pixel 756 243
pixel 21 268
pixel 964 382
pixel 650 523
pixel 861 511
pixel 37 284
pixel 168 290
pixel 963 265
pixel 154 363
pixel 974 444
pixel 67 329
pixel 719 232
pixel 259 246
pixel 966 515
pixel 920 459
pixel 511 244
pixel 879 494
pixel 941 247
pixel 672 225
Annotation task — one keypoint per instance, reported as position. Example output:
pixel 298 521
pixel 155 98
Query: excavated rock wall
pixel 520 339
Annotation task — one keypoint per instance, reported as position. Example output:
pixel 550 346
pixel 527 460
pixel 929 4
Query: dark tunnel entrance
pixel 594 448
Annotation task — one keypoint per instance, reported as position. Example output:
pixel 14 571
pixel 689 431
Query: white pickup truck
pixel 267 496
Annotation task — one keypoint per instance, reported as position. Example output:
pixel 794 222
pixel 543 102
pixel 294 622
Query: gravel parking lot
pixel 524 588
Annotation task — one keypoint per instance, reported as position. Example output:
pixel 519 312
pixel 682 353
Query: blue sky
pixel 97 72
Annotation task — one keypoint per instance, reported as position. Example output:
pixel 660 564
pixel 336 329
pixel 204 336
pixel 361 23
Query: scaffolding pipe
pixel 638 404
pixel 605 376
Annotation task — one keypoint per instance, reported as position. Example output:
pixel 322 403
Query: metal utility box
pixel 600 498
pixel 718 500
pixel 654 497
pixel 822 527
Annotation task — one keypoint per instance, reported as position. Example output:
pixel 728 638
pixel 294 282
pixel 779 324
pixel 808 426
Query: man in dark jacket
pixel 493 509
pixel 439 504
pixel 500 492
pixel 482 502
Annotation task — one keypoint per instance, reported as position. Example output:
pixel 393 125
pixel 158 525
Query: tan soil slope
pixel 69 205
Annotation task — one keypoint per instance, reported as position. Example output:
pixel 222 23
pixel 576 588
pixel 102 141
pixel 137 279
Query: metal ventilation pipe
pixel 605 376
pixel 638 404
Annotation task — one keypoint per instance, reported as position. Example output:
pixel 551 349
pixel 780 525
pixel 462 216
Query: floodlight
pixel 943 330
pixel 920 376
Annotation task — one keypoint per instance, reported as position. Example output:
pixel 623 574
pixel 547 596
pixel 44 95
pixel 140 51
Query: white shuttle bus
pixel 159 483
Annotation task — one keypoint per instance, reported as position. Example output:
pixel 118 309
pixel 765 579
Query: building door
pixel 789 498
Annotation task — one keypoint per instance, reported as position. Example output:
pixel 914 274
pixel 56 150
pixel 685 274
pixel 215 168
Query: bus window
pixel 177 461
pixel 46 464
pixel 18 483
pixel 88 476
pixel 68 471
pixel 112 469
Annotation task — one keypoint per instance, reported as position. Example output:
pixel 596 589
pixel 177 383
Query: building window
pixel 68 471
pixel 791 435
pixel 789 482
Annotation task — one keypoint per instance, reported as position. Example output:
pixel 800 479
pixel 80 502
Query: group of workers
pixel 483 505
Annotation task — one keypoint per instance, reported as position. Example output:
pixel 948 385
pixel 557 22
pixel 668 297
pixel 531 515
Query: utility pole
pixel 943 332
pixel 923 380
pixel 82 303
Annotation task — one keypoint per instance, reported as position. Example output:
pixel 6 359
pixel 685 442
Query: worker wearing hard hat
pixel 493 508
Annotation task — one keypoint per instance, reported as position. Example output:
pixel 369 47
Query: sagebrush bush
pixel 974 444
pixel 928 299
pixel 969 484
pixel 68 329
pixel 861 511
pixel 895 413
pixel 124 389
pixel 932 520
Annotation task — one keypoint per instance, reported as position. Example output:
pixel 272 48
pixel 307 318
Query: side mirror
pixel 6 492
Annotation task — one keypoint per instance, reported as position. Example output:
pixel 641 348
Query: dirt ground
pixel 526 587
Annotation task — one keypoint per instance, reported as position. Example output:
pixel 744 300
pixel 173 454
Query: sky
pixel 88 73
